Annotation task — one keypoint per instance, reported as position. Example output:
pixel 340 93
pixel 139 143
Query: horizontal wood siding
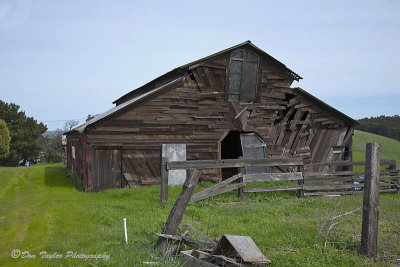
pixel 197 114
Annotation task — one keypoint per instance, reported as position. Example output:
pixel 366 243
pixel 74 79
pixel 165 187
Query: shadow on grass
pixel 60 177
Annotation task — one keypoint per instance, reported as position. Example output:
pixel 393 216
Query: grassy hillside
pixel 42 211
pixel 390 148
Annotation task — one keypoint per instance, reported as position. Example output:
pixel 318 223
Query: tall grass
pixel 42 211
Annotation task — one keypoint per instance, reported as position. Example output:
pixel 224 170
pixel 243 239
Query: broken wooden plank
pixel 179 208
pixel 188 226
pixel 191 242
pixel 219 185
pixel 189 260
pixel 217 192
pixel 241 249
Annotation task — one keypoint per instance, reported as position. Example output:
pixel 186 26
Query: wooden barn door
pixel 141 167
pixel 107 169
pixel 253 147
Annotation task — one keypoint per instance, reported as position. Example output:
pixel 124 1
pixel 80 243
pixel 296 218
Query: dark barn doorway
pixel 246 145
pixel 231 148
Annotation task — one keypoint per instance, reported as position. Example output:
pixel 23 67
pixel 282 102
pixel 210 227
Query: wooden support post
pixel 164 180
pixel 369 232
pixel 179 208
pixel 393 172
pixel 241 194
pixel 300 192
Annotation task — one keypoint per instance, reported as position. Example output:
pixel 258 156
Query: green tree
pixel 5 139
pixel 24 131
pixel 51 147
pixel 388 126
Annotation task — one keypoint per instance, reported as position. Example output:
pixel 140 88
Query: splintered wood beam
pixel 179 208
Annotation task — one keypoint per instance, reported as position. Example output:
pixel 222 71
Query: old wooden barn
pixel 234 103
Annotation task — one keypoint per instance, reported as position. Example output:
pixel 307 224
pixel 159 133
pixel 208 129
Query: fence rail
pixel 233 163
pixel 309 182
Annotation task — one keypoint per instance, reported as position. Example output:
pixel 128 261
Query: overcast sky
pixel 62 60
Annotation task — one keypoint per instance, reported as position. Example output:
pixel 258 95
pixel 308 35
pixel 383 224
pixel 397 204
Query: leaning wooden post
pixel 369 232
pixel 164 180
pixel 179 208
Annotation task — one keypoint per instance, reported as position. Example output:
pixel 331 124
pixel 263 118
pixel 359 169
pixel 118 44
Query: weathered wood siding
pixel 106 169
pixel 199 115
pixel 81 166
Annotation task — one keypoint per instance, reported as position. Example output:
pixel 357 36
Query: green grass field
pixel 41 211
pixel 390 148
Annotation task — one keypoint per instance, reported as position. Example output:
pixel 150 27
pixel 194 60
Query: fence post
pixel 164 180
pixel 369 232
pixel 179 208
pixel 241 194
pixel 393 172
pixel 300 192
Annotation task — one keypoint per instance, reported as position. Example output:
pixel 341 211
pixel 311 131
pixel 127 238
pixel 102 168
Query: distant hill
pixel 388 126
pixel 390 148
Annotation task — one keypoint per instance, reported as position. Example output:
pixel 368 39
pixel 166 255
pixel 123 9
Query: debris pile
pixel 231 250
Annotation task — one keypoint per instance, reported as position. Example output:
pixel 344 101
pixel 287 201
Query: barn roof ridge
pixel 185 67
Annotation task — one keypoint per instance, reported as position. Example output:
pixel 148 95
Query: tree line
pixel 23 134
pixel 388 126
pixel 22 141
pixel 22 138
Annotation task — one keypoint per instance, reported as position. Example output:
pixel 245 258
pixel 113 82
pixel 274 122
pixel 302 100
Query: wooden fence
pixel 347 181
pixel 335 177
